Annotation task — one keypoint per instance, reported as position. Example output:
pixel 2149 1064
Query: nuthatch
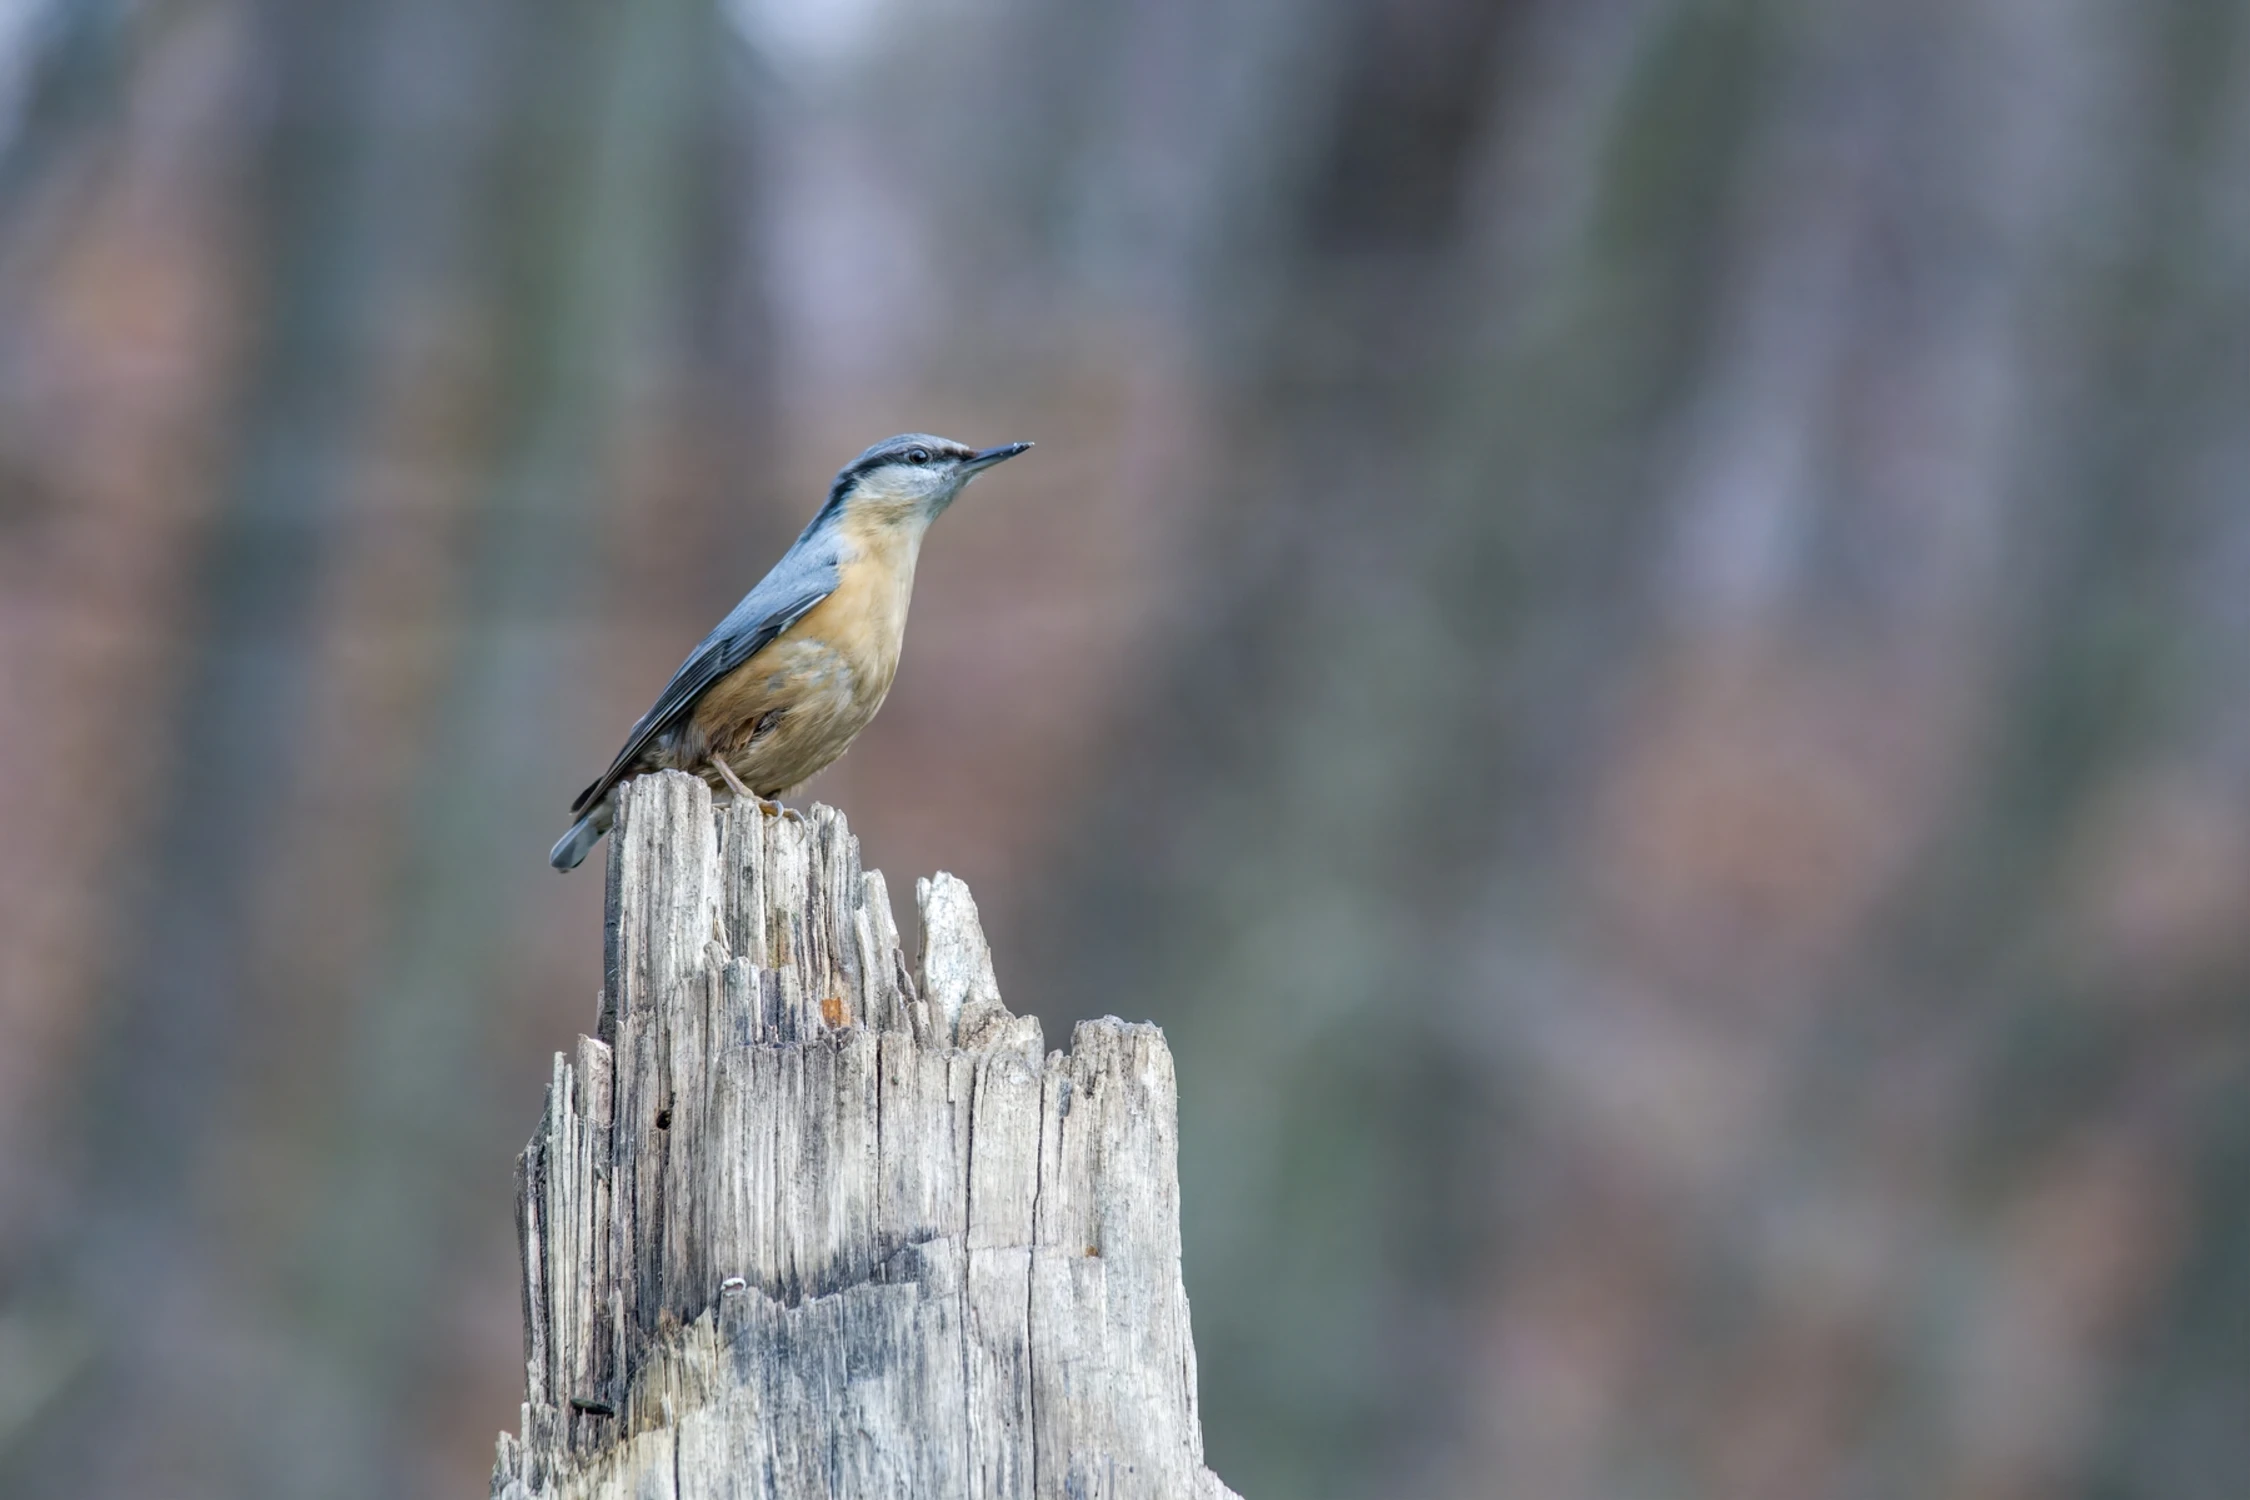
pixel 779 689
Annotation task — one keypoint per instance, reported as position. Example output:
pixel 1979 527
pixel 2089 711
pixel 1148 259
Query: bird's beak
pixel 979 462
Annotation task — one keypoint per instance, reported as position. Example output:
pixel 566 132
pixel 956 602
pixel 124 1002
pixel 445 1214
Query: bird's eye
pixel 917 455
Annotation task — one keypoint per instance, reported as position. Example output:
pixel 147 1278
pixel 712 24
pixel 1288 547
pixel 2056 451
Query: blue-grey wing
pixel 798 582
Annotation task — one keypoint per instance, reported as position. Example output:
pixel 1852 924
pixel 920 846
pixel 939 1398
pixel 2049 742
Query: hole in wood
pixel 663 1119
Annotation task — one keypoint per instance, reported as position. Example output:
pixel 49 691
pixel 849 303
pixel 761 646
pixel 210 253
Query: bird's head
pixel 910 479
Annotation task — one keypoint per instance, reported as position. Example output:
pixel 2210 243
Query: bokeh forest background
pixel 1631 621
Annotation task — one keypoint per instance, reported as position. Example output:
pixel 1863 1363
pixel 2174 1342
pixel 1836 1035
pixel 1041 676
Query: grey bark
pixel 801 1222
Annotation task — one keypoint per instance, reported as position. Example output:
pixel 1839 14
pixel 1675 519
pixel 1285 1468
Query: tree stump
pixel 804 1223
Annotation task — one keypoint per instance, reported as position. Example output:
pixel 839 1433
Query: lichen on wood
pixel 804 1222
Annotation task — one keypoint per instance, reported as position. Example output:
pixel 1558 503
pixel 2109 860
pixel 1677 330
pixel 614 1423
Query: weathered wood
pixel 802 1223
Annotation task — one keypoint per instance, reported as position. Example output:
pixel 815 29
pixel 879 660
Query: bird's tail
pixel 583 835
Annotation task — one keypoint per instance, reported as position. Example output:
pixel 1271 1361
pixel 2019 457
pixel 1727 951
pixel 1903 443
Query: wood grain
pixel 802 1222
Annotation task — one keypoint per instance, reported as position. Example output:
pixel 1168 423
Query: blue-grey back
pixel 806 574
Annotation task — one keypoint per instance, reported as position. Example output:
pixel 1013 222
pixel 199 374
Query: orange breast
pixel 795 706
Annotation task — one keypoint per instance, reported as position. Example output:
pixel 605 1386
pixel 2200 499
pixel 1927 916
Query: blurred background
pixel 1632 622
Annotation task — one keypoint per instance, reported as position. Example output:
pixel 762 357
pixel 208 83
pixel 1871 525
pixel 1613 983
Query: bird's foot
pixel 742 793
pixel 734 782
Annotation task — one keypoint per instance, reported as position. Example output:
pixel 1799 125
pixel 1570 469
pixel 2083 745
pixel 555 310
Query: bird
pixel 782 685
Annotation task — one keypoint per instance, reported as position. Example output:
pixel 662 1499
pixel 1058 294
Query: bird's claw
pixel 766 805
